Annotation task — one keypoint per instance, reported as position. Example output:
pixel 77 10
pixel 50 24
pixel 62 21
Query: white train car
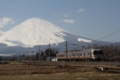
pixel 82 55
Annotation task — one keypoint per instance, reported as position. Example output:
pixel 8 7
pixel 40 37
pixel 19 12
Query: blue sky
pixel 88 18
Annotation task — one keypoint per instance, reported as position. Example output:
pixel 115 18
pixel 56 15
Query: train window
pixel 98 52
pixel 75 54
pixel 68 54
pixel 95 52
pixel 72 54
pixel 88 53
pixel 80 54
pixel 84 54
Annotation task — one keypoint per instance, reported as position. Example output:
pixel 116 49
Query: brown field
pixel 20 71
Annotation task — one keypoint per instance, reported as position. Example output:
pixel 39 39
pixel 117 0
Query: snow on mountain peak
pixel 84 40
pixel 32 32
pixel 36 31
pixel 40 24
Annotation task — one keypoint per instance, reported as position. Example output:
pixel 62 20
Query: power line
pixel 108 35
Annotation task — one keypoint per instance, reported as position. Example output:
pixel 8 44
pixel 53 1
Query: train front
pixel 98 55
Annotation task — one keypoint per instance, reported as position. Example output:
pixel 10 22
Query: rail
pixel 56 63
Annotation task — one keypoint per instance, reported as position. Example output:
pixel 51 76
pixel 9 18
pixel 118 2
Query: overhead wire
pixel 108 35
pixel 104 37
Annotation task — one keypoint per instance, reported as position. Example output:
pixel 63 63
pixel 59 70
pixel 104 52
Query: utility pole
pixel 39 54
pixel 33 55
pixel 27 55
pixel 66 50
pixel 49 51
pixel 83 47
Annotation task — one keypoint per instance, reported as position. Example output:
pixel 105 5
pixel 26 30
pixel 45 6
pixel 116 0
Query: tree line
pixel 48 52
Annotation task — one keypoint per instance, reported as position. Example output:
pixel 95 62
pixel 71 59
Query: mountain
pixel 36 31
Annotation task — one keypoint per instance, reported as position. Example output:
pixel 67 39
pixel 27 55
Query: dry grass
pixel 63 76
pixel 19 71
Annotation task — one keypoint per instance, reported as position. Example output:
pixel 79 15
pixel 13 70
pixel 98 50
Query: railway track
pixel 56 63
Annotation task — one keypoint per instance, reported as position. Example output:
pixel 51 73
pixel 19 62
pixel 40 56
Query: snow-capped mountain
pixel 36 31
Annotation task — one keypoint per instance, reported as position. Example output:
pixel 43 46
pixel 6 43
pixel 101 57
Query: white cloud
pixel 5 21
pixel 81 10
pixel 69 21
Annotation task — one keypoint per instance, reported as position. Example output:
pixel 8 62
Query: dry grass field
pixel 20 71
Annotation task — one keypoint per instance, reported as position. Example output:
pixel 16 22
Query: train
pixel 81 55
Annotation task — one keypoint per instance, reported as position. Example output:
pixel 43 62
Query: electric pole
pixel 39 54
pixel 49 51
pixel 66 50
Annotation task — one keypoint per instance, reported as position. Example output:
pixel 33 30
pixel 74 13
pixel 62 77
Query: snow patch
pixel 7 55
pixel 84 40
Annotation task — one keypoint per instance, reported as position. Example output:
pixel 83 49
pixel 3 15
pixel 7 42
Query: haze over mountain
pixel 36 31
